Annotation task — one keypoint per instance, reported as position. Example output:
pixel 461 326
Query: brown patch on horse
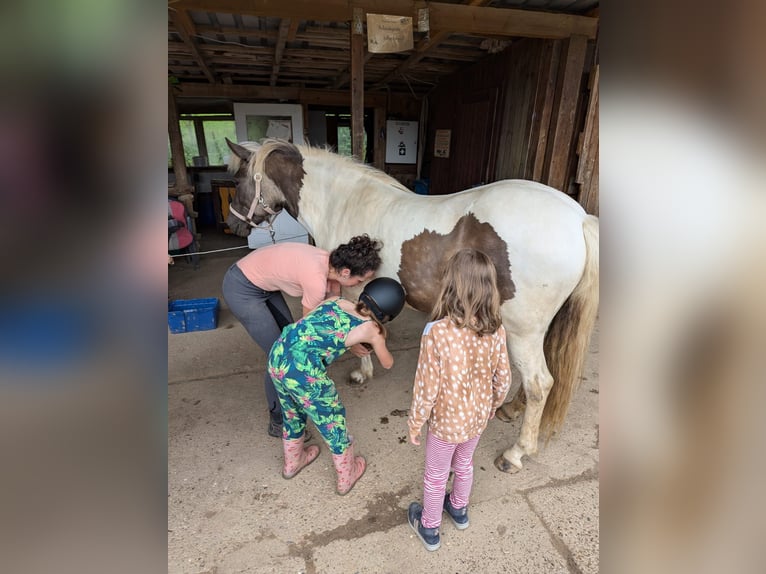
pixel 425 256
pixel 284 166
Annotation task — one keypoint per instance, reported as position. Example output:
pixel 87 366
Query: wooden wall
pixel 529 112
pixel 466 103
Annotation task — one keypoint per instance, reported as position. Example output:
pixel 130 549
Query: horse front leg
pixel 536 382
pixel 363 373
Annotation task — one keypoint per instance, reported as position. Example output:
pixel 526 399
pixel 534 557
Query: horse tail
pixel 566 342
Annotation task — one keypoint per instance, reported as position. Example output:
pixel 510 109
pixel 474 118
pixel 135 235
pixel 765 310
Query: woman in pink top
pixel 253 286
pixel 461 378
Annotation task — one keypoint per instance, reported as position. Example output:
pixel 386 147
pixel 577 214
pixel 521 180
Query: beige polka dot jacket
pixel 460 380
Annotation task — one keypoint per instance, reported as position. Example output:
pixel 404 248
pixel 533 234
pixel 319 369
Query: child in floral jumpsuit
pixel 298 366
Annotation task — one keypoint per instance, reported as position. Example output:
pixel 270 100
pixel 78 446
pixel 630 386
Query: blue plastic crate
pixel 186 315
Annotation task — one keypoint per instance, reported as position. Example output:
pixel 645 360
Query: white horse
pixel 544 245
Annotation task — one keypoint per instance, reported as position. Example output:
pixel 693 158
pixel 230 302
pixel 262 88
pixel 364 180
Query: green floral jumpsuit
pixel 298 366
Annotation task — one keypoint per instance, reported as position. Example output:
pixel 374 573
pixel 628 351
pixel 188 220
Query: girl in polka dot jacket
pixel 462 377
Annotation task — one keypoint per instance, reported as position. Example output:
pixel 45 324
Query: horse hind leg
pixel 363 373
pixel 536 383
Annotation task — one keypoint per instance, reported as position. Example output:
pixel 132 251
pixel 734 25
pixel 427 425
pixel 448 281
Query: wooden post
pixel 199 132
pixel 379 139
pixel 177 146
pixel 357 84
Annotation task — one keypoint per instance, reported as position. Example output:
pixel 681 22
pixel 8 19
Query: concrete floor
pixel 229 510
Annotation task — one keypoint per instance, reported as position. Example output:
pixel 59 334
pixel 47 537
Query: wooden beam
pixel 456 18
pixel 284 27
pixel 234 31
pixel 357 84
pixel 483 21
pixel 344 77
pixel 293 31
pixel 185 28
pixel 267 93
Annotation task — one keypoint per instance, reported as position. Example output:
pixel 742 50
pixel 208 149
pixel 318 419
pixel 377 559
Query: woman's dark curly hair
pixel 360 255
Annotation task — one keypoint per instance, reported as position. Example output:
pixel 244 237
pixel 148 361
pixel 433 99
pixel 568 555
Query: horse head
pixel 269 177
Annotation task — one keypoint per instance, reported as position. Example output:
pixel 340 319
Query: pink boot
pixel 350 469
pixel 296 457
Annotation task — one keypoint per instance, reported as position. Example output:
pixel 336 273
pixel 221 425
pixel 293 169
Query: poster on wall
pixel 441 143
pixel 401 141
pixel 281 129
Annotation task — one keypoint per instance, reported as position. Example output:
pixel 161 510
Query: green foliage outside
pixel 214 131
pixel 215 134
pixel 344 141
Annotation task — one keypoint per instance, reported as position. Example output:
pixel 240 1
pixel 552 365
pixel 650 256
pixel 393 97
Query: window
pixel 203 135
pixel 216 132
pixel 344 135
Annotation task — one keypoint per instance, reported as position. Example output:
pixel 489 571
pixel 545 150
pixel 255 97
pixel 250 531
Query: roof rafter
pixel 185 29
pixel 284 28
pixel 456 18
pixel 421 49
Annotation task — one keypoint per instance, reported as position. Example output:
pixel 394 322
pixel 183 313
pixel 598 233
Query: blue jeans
pixel 263 314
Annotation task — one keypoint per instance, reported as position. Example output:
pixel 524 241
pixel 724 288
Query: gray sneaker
pixel 459 516
pixel 428 536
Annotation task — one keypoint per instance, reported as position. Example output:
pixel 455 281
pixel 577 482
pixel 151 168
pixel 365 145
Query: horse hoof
pixel 356 378
pixel 505 465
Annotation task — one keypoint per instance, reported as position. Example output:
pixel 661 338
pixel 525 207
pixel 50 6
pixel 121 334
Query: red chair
pixel 180 238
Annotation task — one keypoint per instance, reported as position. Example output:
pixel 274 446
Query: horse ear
pixel 240 151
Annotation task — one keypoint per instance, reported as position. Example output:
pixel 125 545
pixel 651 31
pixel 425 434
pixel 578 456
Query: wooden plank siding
pixel 518 114
pixel 560 150
pixel 587 168
pixel 468 103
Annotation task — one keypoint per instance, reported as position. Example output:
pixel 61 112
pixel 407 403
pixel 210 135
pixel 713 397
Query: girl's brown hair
pixel 365 311
pixel 469 294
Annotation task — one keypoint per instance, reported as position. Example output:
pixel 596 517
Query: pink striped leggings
pixel 440 456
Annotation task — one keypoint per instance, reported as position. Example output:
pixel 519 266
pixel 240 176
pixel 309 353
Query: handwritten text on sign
pixel 386 34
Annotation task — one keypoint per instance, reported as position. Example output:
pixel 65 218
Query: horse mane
pixel 324 153
pixel 235 162
pixel 339 162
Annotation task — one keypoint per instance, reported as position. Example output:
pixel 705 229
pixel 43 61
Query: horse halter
pixel 257 200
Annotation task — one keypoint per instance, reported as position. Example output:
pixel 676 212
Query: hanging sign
pixel 441 143
pixel 387 34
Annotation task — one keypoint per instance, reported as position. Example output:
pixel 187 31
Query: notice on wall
pixel 401 141
pixel 387 34
pixel 281 129
pixel 441 143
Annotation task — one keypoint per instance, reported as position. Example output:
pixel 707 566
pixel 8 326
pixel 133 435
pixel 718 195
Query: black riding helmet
pixel 384 297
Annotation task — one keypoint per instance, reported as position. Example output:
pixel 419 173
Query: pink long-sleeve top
pixel 460 380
